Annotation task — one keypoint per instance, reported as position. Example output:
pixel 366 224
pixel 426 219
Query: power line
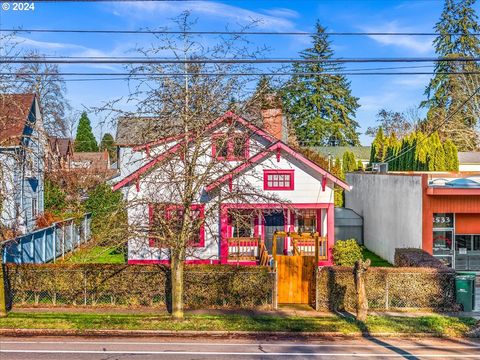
pixel 172 61
pixel 283 33
pixel 385 73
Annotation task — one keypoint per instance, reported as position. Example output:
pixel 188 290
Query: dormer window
pixel 231 147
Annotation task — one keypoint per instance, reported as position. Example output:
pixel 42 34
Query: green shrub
pixel 346 252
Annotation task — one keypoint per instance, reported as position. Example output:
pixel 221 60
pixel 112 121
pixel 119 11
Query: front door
pixel 274 221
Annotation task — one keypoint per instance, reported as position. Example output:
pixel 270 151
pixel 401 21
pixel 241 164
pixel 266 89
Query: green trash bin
pixel 465 290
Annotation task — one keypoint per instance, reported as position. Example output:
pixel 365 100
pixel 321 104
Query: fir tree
pixel 108 143
pixel 321 107
pixel 447 91
pixel 85 140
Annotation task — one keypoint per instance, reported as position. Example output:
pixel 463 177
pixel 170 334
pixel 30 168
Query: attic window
pixel 231 147
pixel 278 179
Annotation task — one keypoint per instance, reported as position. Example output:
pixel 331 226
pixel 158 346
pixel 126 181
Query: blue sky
pixel 375 92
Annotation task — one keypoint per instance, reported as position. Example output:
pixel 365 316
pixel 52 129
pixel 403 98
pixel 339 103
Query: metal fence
pixel 47 244
pixel 132 287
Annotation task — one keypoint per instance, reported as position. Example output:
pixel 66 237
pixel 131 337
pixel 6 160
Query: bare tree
pixel 183 103
pixel 391 122
pixel 45 81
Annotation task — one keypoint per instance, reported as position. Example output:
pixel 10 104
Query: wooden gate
pixel 295 279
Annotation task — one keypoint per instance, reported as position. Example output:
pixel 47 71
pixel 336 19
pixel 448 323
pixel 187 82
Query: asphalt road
pixel 73 348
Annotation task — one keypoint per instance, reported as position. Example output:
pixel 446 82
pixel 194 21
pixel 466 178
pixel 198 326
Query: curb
pixel 206 334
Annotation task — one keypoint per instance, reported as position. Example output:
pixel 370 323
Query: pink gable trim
pixel 227 116
pixel 271 151
pixel 136 174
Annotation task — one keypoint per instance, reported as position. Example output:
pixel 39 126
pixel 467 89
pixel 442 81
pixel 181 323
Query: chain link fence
pixel 136 286
pixel 387 289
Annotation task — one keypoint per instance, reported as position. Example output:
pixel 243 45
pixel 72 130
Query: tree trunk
pixel 177 267
pixel 362 302
pixel 3 303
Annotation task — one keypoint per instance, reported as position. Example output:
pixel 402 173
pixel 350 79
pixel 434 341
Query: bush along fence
pixel 138 285
pixel 387 289
pixel 47 244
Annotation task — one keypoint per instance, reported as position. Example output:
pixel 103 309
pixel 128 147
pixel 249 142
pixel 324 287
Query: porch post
pixel 223 234
pixel 330 232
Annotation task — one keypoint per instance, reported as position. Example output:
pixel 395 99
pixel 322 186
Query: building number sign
pixel 442 220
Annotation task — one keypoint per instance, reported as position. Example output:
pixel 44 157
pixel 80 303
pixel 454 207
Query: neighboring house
pixel 361 153
pixel 261 161
pixel 59 154
pixel 22 156
pixel 91 161
pixel 469 161
pixel 436 212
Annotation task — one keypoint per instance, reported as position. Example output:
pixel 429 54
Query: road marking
pixel 113 352
pixel 439 346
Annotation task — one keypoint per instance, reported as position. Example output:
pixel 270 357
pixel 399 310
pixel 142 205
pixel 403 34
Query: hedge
pixel 411 257
pixel 387 289
pixel 206 286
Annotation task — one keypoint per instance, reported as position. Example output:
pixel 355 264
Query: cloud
pixel 271 19
pixel 46 45
pixel 418 44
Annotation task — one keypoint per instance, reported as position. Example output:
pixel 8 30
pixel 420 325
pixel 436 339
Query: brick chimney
pixel 273 120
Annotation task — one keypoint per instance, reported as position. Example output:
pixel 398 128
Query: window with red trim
pixel 231 147
pixel 170 217
pixel 278 179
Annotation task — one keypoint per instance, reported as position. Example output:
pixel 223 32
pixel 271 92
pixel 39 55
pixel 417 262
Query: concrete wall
pixel 391 207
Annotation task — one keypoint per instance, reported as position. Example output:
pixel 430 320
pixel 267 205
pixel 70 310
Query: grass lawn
pixel 98 255
pixel 375 259
pixel 433 324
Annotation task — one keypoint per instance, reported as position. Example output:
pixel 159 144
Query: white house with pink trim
pixel 289 192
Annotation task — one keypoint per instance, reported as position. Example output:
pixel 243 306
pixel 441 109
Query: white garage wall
pixel 391 207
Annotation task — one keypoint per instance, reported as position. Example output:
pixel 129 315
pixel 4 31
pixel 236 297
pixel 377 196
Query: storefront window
pixel 442 242
pixel 476 242
pixel 463 243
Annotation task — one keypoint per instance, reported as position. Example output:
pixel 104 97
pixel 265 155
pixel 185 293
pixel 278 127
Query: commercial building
pixel 437 212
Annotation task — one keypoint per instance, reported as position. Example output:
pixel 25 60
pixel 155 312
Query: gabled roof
pixel 229 115
pixel 270 151
pixel 64 146
pixel 14 112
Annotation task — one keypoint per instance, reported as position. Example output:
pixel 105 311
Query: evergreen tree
pixel 321 107
pixel 360 165
pixel 451 156
pixel 447 91
pixel 85 140
pixel 338 195
pixel 108 143
pixel 348 162
pixel 378 148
